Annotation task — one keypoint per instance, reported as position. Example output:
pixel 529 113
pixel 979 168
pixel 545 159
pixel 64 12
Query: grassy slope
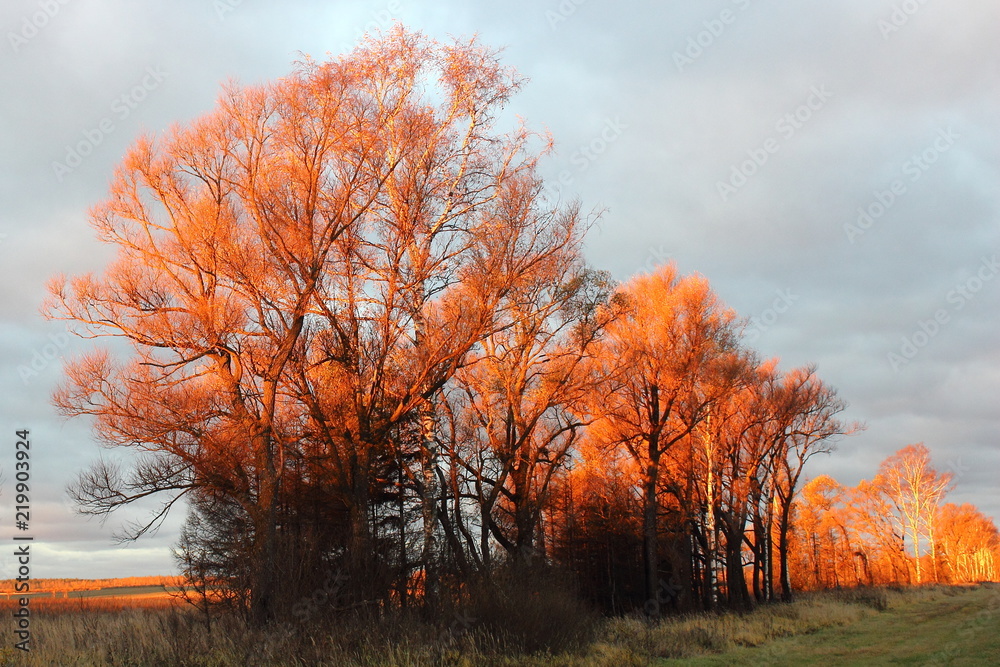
pixel 943 627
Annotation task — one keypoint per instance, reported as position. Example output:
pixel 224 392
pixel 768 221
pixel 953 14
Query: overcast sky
pixel 833 168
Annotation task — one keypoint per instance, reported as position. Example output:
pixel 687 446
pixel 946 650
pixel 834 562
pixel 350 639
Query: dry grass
pixel 106 632
pixel 172 636
pixel 96 604
pixel 694 635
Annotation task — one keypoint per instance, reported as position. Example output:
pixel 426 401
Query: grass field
pixel 924 626
pixel 935 626
pixel 124 592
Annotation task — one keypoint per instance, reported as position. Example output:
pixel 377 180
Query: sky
pixel 833 169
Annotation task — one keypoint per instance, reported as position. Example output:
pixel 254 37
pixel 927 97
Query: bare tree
pixel 807 419
pixel 516 392
pixel 916 490
pixel 658 369
pixel 299 273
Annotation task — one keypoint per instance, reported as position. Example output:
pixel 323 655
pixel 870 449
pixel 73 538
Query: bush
pixel 531 610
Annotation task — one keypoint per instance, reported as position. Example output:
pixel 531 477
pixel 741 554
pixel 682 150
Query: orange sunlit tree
pixel 659 367
pixel 915 490
pixel 299 274
pixel 969 544
pixel 892 529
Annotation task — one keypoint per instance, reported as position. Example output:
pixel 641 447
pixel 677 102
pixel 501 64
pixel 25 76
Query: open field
pixel 936 626
pixel 933 625
pixel 131 588
pixel 126 593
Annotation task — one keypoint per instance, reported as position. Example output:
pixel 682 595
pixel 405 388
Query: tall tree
pixel 660 365
pixel 734 452
pixel 516 392
pixel 915 489
pixel 874 517
pixel 819 503
pixel 970 543
pixel 299 272
pixel 806 423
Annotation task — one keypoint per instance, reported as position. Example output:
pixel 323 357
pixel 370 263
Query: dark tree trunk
pixel 736 583
pixel 783 528
pixel 649 536
pixel 525 518
pixel 358 562
pixel 264 575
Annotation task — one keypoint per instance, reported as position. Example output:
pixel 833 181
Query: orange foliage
pixel 892 530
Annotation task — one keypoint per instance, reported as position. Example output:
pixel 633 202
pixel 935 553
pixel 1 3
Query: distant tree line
pixel 893 529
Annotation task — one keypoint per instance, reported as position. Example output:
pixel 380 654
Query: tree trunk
pixel 783 527
pixel 711 539
pixel 402 584
pixel 769 551
pixel 934 562
pixel 649 535
pixel 526 526
pixel 428 501
pixel 736 583
pixel 525 516
pixel 264 573
pixel 359 572
pixel 758 562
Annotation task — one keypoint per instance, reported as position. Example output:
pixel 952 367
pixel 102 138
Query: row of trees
pixel 367 348
pixel 689 446
pixel 893 529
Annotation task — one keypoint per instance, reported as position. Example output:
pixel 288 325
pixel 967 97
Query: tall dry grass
pixel 511 628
